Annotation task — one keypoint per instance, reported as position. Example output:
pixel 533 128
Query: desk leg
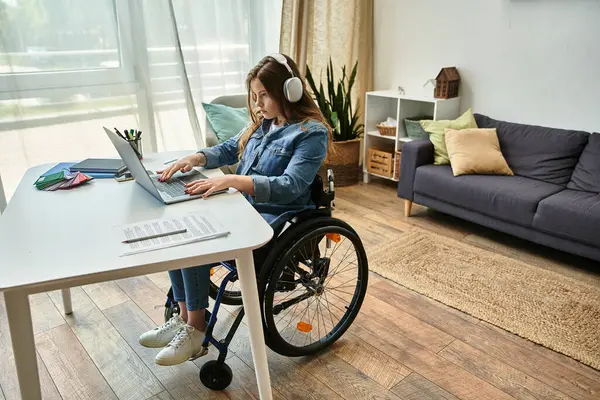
pixel 21 333
pixel 66 296
pixel 245 267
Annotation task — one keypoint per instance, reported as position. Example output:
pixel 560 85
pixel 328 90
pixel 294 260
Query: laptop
pixel 169 192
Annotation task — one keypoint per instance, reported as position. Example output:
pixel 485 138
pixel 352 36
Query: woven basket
pixel 343 159
pixel 343 174
pixel 414 130
pixel 386 130
pixel 397 159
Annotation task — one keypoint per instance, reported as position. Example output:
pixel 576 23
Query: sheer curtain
pixel 68 67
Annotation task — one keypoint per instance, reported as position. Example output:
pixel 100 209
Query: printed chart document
pixel 201 225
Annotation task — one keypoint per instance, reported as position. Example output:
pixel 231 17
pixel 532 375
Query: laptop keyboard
pixel 173 187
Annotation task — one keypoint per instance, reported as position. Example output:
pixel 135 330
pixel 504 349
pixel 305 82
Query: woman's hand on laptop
pixel 184 165
pixel 209 186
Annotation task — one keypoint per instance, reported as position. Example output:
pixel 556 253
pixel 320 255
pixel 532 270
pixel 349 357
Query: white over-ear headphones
pixel 292 87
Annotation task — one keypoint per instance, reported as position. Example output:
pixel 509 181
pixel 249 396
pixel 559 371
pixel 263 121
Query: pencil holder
pixel 136 145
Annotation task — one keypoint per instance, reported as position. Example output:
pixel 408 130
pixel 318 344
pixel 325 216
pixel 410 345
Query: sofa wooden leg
pixel 407 207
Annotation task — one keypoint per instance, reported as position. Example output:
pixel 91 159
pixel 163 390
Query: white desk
pixel 36 223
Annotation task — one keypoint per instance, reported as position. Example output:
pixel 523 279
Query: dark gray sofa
pixel 553 199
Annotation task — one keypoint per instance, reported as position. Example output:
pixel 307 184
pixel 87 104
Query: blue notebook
pixel 67 165
pixel 101 165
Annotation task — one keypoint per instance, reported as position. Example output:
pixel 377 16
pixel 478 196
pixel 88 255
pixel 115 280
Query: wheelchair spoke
pixel 329 309
pixel 337 247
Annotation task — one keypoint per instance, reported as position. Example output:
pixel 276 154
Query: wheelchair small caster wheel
pixel 216 375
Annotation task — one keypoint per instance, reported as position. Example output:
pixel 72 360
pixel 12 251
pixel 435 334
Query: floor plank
pixel 162 396
pixel 105 294
pixel 508 379
pixel 149 297
pixel 433 367
pixel 70 367
pixel 162 280
pixel 415 387
pixel 181 381
pixel 347 381
pixel 408 325
pixel 44 314
pixel 374 363
pixel 121 367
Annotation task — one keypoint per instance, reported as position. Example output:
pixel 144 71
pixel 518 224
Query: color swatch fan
pixel 61 180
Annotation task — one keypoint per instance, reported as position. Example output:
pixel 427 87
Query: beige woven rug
pixel 546 307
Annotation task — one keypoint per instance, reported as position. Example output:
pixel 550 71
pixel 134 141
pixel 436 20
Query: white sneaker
pixel 162 335
pixel 187 344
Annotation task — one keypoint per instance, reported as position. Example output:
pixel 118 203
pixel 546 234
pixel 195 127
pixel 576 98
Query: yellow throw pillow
pixel 437 131
pixel 475 151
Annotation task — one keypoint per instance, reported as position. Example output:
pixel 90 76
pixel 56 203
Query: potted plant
pixel 336 105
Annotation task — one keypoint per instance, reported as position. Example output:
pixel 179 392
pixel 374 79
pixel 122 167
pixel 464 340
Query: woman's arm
pixel 304 165
pixel 225 153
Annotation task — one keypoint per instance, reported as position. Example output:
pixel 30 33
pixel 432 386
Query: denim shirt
pixel 282 165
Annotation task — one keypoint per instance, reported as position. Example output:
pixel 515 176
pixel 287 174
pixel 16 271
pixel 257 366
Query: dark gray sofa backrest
pixel 546 154
pixel 586 176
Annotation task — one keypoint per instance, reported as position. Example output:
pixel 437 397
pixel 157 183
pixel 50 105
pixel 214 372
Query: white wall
pixel 530 61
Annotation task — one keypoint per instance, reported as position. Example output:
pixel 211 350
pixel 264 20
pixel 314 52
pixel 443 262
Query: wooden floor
pixel 402 345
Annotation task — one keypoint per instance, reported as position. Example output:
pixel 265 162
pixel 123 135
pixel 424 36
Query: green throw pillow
pixel 226 121
pixel 437 133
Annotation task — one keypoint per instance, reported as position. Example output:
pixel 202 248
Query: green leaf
pixel 336 105
pixel 334 121
pixel 311 83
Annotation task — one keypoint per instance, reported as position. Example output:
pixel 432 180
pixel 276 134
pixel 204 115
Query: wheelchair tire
pixel 216 375
pixel 313 276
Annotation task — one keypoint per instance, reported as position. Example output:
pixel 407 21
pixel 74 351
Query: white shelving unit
pixel 381 104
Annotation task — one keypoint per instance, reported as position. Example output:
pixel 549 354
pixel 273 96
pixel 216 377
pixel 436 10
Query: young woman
pixel 279 155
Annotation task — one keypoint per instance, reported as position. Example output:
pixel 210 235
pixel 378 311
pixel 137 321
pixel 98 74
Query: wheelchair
pixel 311 286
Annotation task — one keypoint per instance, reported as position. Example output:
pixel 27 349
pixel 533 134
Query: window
pixel 67 67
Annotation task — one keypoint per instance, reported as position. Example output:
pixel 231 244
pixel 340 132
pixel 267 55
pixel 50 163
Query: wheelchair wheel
pixel 232 294
pixel 315 289
pixel 216 375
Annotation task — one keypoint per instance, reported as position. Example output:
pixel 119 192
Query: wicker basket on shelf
pixel 397 159
pixel 385 130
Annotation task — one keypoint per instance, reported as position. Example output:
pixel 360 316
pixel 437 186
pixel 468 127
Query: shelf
pixel 417 97
pixel 381 176
pixel 377 134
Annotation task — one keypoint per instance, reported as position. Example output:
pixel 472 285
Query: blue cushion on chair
pixel 226 121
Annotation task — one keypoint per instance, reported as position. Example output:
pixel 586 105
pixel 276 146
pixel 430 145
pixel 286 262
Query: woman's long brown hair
pixel 272 75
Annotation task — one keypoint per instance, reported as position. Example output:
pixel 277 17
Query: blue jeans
pixel 190 285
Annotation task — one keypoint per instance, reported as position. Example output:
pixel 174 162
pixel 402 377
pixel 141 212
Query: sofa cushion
pixel 475 151
pixel 547 154
pixel 573 214
pixel 587 171
pixel 437 133
pixel 509 198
